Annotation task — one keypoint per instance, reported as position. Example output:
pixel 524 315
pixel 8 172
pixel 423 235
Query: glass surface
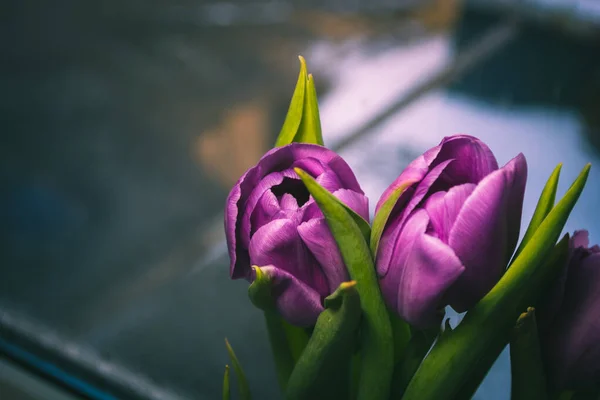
pixel 126 129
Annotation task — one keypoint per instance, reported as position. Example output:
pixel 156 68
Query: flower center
pixel 295 187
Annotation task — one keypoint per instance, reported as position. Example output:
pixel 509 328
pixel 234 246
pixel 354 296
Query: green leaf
pixel 323 369
pixel 310 127
pixel 259 290
pixel 453 360
pixel 226 390
pixel 527 369
pixel 376 333
pixel 284 340
pixel 294 115
pixel 383 214
pixel 244 389
pixel 544 205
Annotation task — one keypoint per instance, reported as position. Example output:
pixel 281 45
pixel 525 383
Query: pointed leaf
pixel 244 389
pixel 310 127
pixel 383 214
pixel 486 328
pixel 294 114
pixel 226 389
pixel 527 369
pixel 544 205
pixel 323 369
pixel 376 333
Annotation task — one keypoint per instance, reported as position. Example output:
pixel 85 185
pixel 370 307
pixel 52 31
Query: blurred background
pixel 125 124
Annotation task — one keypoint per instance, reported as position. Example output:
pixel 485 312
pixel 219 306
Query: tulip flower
pixel 452 231
pixel 569 321
pixel 272 221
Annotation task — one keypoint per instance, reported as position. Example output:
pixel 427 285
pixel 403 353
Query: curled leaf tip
pixel 302 60
pixel 259 290
pixel 347 285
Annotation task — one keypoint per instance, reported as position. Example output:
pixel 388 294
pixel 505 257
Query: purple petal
pixel 359 203
pixel 424 268
pixel 396 221
pixel 319 240
pixel 478 238
pixel 266 209
pixel 516 179
pixel 329 180
pixel 311 165
pixel 580 239
pixel 414 172
pixel 237 262
pixel 443 208
pixel 288 202
pixel 279 243
pixel 267 182
pixel 474 160
pixel 297 303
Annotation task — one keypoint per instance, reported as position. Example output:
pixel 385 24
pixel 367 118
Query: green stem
pixel 284 360
pixel 411 358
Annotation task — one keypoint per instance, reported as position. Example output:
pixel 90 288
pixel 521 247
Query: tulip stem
pixel 282 355
pixel 411 358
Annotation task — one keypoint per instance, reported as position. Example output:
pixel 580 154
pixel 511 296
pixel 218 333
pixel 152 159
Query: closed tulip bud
pixel 569 320
pixel 453 230
pixel 271 221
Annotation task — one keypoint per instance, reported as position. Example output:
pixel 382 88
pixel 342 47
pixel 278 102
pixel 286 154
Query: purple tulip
pixel 569 321
pixel 453 230
pixel 272 221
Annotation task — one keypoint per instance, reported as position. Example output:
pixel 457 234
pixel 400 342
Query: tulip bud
pixel 272 221
pixel 452 231
pixel 569 320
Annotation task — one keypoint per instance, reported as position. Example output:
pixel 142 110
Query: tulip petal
pixel 267 182
pixel 237 259
pixel 516 179
pixel 580 239
pixel 329 180
pixel 266 209
pixel 478 238
pixel 319 240
pixel 414 172
pixel 397 219
pixel 279 243
pixel 424 268
pixel 311 165
pixel 474 160
pixel 359 203
pixel 297 302
pixel 443 208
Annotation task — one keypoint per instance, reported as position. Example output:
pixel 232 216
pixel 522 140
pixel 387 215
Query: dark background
pixel 125 124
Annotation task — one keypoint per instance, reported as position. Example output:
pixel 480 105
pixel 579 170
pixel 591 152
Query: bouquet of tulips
pixel 355 308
